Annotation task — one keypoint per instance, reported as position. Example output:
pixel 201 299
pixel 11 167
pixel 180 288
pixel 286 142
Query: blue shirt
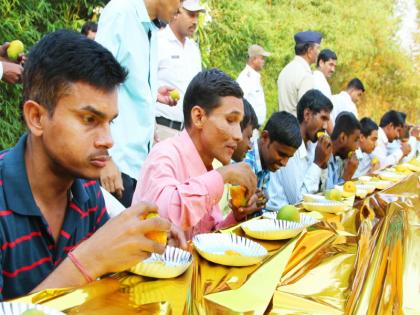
pixel 300 175
pixel 253 159
pixel 335 172
pixel 28 250
pixel 124 28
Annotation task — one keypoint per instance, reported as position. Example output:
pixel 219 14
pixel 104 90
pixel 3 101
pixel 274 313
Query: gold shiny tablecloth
pixel 365 261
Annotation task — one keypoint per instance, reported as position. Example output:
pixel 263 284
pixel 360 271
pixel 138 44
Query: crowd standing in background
pixel 126 107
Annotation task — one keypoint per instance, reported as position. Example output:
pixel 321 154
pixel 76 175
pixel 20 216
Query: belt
pixel 169 123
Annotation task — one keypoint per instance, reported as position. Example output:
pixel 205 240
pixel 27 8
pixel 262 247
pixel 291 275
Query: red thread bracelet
pixel 80 267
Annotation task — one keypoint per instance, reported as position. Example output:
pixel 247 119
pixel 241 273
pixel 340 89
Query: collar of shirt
pixel 252 71
pixel 382 136
pixel 187 146
pixel 258 165
pixel 170 36
pixel 18 184
pixel 303 62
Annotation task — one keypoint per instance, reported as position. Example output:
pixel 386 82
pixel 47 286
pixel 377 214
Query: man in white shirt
pixel 346 100
pixel 391 126
pixel 368 139
pixel 296 78
pixel 308 167
pixel 250 81
pixel 327 61
pixel 179 60
pixel 10 71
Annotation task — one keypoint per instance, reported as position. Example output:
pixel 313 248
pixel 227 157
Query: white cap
pixel 193 5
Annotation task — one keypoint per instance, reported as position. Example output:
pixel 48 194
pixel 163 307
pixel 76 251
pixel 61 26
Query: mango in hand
pixel 174 94
pixel 320 134
pixel 238 195
pixel 288 213
pixel 157 236
pixel 15 49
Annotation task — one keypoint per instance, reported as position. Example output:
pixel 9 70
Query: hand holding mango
pixel 157 236
pixel 14 50
pixel 175 95
pixel 320 134
pixel 238 195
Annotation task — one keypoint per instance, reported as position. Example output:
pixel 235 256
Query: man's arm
pixel 117 246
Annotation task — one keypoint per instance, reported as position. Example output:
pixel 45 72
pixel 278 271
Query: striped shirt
pixel 28 251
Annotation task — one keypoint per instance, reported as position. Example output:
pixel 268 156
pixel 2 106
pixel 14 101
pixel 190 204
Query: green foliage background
pixel 360 32
pixel 29 20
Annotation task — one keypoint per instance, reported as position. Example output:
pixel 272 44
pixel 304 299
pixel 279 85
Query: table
pixel 365 261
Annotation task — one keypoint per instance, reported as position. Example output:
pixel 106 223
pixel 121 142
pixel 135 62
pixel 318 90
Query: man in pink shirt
pixel 178 174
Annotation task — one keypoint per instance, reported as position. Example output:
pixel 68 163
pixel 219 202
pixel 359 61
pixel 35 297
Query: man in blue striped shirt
pixel 308 166
pixel 53 221
pixel 272 150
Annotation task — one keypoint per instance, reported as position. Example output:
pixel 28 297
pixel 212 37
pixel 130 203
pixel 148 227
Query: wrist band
pixel 80 267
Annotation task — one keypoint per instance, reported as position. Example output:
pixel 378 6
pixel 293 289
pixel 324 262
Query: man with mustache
pixel 54 227
pixel 327 61
pixel 178 174
pixel 179 60
pixel 308 167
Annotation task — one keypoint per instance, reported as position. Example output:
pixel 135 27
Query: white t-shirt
pixel 177 65
pixel 342 103
pixel 250 82
pixel 321 83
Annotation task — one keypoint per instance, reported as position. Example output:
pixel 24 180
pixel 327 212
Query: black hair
pixel 345 122
pixel 315 101
pixel 325 55
pixel 205 90
pixel 250 118
pixel 368 125
pixel 392 117
pixel 284 128
pixel 403 116
pixel 89 26
pixel 356 84
pixel 302 48
pixel 64 57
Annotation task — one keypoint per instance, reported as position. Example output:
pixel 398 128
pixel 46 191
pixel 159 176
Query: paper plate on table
pixel 172 263
pixel 268 229
pixel 412 167
pixel 10 308
pixel 365 179
pixel 329 206
pixel 382 184
pixel 370 188
pixel 313 198
pixel 391 176
pixel 229 249
pixel 306 220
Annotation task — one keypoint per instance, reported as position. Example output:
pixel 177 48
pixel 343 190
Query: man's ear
pixel 307 113
pixel 35 116
pixel 198 116
pixel 265 136
pixel 343 137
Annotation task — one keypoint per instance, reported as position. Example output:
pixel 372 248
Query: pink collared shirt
pixel 176 179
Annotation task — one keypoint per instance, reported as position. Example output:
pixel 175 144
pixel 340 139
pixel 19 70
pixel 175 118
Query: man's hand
pixel 323 151
pixel 350 167
pixel 163 96
pixel 121 242
pixel 406 148
pixel 12 73
pixel 239 174
pixel 111 179
pixel 3 55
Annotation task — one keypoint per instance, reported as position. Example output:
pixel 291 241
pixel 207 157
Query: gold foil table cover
pixel 363 261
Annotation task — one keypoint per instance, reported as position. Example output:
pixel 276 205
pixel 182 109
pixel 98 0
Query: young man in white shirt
pixel 296 77
pixel 327 61
pixel 346 100
pixel 179 60
pixel 391 126
pixel 250 81
pixel 308 167
pixel 368 139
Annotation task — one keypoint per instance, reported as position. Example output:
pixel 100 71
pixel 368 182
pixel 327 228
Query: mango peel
pixel 157 236
pixel 238 195
pixel 14 50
